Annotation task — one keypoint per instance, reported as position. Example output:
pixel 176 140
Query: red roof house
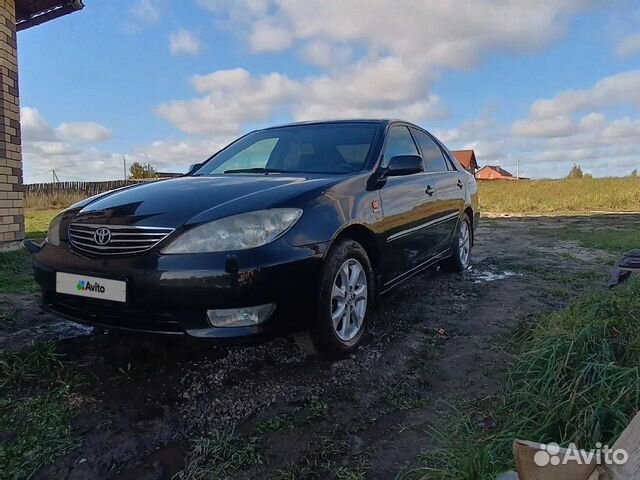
pixel 491 172
pixel 467 159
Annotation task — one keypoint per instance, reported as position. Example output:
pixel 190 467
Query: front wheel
pixel 461 246
pixel 346 295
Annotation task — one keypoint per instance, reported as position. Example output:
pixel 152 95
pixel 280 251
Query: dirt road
pixel 435 342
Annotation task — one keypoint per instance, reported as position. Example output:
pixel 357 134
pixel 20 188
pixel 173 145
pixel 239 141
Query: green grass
pixel 276 423
pixel 9 314
pixel 16 274
pixel 318 409
pixel 29 364
pixel 404 396
pixel 325 458
pixel 35 410
pixel 36 222
pixel 38 431
pixel 423 363
pixel 220 456
pixel 560 196
pixel 575 378
pixel 466 453
pixel 615 241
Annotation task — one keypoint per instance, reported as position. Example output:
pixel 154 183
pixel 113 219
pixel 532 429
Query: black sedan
pixel 290 229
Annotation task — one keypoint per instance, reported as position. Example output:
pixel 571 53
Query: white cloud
pixel 75 164
pixel 64 150
pixel 629 46
pixel 323 54
pixel 91 164
pixel 266 37
pixel 624 128
pixel 147 11
pixel 177 155
pixel 377 61
pixel 232 98
pixel 554 117
pixel 382 87
pixel 572 126
pixel 546 127
pixel 622 89
pixel 83 131
pixel 221 80
pixel 184 42
pixel 430 33
pixel 243 8
pixel 548 146
pixel 34 127
pixel 49 148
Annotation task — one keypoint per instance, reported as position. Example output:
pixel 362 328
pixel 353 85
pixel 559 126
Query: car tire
pixel 461 246
pixel 346 297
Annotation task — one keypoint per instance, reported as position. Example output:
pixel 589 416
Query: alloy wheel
pixel 349 299
pixel 464 243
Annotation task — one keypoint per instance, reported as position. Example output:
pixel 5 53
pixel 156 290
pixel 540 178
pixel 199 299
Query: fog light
pixel 240 317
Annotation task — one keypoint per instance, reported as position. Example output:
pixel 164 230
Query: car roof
pixel 342 120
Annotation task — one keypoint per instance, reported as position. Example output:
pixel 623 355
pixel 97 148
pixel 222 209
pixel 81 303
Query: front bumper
pixel 170 294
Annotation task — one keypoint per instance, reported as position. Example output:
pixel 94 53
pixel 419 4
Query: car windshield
pixel 319 148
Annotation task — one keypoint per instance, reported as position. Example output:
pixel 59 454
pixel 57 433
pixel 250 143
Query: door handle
pixel 429 191
pixel 460 184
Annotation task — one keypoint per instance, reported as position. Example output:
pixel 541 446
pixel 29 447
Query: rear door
pixel 449 191
pixel 407 208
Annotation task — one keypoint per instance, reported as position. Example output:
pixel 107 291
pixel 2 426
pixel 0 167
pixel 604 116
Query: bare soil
pixel 434 342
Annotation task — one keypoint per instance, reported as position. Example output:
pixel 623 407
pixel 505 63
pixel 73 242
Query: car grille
pixel 122 240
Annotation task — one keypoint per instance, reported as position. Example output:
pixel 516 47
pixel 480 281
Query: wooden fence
pixel 77 188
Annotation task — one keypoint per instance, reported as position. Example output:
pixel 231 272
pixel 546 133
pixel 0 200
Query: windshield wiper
pixel 253 170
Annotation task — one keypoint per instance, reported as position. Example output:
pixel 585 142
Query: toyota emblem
pixel 102 236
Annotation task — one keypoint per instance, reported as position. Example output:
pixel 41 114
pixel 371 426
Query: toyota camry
pixel 295 229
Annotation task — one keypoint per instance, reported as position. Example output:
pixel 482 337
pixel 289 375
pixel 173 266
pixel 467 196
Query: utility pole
pixel 518 169
pixel 124 165
pixel 55 177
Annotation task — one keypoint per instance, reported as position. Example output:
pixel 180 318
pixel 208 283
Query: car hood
pixel 179 201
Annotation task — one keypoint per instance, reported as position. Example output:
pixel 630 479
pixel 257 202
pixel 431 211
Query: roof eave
pixel 32 19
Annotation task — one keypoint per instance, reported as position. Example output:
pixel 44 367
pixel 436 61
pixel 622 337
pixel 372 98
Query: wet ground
pixel 433 342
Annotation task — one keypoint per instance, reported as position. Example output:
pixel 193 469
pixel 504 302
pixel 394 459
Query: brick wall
pixel 11 194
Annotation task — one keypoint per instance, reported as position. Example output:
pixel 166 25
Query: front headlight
pixel 238 232
pixel 53 235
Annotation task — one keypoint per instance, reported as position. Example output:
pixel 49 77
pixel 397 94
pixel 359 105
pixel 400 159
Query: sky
pixel 542 84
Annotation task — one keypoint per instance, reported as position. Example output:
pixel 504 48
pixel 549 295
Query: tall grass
pixel 578 378
pixel 560 196
pixel 575 378
pixel 46 201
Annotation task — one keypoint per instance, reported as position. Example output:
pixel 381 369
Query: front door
pixel 408 205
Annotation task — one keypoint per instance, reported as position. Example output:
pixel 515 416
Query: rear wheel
pixel 346 294
pixel 461 246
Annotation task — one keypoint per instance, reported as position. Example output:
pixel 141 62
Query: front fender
pixel 340 207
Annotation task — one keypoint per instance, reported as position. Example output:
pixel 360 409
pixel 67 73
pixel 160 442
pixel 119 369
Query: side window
pixel 431 153
pixel 399 142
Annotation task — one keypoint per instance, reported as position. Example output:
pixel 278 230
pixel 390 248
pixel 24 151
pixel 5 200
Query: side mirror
pixel 404 165
pixel 193 167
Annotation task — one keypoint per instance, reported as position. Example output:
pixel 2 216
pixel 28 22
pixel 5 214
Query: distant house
pixel 467 159
pixel 491 172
